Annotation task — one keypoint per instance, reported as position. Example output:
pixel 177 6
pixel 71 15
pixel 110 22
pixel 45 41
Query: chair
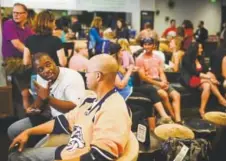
pixel 131 150
pixel 69 50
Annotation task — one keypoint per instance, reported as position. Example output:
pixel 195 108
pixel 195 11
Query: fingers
pixel 36 84
pixel 12 145
pixel 21 147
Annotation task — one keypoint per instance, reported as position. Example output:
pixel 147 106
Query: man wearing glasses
pixel 15 32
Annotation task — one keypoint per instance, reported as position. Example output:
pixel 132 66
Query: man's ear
pixel 99 76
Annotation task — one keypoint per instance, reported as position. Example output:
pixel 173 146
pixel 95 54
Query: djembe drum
pixel 219 142
pixel 167 131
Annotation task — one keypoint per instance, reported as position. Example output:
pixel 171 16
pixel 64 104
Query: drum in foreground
pixel 218 118
pixel 167 131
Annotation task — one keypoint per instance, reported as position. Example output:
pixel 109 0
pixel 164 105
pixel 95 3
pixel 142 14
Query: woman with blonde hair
pixel 44 26
pixel 125 53
pixel 94 36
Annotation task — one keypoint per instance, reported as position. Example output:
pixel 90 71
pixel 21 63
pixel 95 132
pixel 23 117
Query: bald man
pixel 99 128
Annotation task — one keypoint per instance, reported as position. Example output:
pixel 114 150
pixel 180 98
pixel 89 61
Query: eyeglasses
pixel 86 72
pixel 18 13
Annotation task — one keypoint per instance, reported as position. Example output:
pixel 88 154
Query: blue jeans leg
pixel 34 154
pixel 18 127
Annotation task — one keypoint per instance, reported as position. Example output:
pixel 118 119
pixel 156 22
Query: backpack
pixel 176 149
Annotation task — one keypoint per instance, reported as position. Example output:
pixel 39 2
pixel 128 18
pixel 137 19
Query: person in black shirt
pixel 201 34
pixel 122 31
pixel 76 26
pixel 43 41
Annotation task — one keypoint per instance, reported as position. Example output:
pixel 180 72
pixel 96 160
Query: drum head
pixel 199 125
pixel 218 118
pixel 167 131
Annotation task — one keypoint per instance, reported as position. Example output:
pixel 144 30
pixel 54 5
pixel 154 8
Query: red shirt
pixel 170 29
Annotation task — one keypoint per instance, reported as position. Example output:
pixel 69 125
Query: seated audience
pixel 99 128
pixel 177 52
pixel 124 85
pixel 171 31
pixel 78 61
pixel 123 81
pixel 60 88
pixel 194 74
pixel 151 72
pixel 125 53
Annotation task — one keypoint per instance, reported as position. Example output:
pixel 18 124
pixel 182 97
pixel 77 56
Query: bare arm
pixel 60 105
pixel 26 56
pixel 145 78
pixel 18 45
pixel 162 75
pixel 61 57
pixel 123 83
pixel 23 137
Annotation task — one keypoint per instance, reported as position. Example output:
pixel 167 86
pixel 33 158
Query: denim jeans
pixel 34 154
pixel 24 124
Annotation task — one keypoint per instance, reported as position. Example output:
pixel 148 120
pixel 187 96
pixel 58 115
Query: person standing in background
pixel 188 33
pixel 147 32
pixel 171 30
pixel 122 30
pixel 15 32
pixel 201 34
pixel 76 26
pixel 95 39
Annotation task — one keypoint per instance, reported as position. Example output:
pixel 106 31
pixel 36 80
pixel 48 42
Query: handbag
pixel 194 82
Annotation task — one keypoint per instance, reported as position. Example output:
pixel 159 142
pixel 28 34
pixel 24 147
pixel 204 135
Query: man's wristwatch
pixel 46 100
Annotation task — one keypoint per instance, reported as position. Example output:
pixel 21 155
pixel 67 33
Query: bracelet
pixel 46 100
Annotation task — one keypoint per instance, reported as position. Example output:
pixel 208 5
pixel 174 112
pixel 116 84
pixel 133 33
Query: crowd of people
pixel 99 123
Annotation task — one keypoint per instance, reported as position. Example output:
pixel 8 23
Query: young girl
pixel 125 54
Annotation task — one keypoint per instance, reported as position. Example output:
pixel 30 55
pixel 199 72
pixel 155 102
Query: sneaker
pixel 180 122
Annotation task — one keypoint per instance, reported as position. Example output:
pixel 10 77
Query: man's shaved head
pixel 101 71
pixel 104 63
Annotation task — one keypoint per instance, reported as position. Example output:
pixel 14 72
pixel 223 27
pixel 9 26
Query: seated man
pixel 151 72
pixel 60 88
pixel 99 128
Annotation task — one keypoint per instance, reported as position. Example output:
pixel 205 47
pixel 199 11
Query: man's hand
pixel 42 92
pixel 21 139
pixel 32 111
pixel 164 85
